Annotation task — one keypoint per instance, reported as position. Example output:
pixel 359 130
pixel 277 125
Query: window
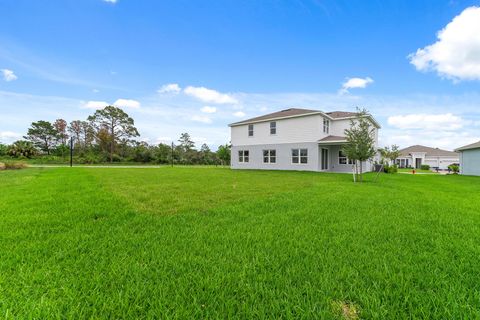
pixel 269 156
pixel 250 130
pixel 273 127
pixel 342 158
pixel 243 156
pixel 300 156
pixel 326 125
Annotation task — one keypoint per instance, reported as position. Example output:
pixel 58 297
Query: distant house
pixel 470 159
pixel 294 139
pixel 416 156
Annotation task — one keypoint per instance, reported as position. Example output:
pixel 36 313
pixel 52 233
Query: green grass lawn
pixel 214 243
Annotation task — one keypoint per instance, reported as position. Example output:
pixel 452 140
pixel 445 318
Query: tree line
pixel 108 135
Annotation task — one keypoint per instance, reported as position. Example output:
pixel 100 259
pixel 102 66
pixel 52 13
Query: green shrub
pixel 425 167
pixel 390 168
pixel 393 169
pixel 455 168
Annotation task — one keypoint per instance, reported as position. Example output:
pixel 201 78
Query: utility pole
pixel 71 152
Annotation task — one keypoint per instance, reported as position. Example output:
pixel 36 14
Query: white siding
pixel 441 162
pixel 283 157
pixel 292 130
pixel 338 127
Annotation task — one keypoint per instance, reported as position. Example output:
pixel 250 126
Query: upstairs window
pixel 273 127
pixel 243 156
pixel 300 156
pixel 250 130
pixel 342 158
pixel 326 125
pixel 269 156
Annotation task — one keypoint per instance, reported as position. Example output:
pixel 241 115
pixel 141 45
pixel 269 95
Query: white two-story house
pixel 294 139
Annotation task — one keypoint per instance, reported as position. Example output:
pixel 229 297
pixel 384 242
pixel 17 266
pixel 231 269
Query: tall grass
pixel 12 165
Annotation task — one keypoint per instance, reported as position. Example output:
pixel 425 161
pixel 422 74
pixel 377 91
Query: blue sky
pixel 196 66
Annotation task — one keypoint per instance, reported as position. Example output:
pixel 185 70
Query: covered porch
pixel 331 157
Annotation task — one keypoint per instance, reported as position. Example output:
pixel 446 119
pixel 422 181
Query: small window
pixel 250 130
pixel 342 158
pixel 295 156
pixel 326 125
pixel 269 156
pixel 300 156
pixel 243 156
pixel 273 127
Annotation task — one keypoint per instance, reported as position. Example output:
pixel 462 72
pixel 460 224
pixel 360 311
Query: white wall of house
pixel 290 130
pixel 339 126
pixel 441 162
pixel 470 162
pixel 283 157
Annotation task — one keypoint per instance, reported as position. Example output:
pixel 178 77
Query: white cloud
pixel 202 119
pixel 9 136
pixel 169 88
pixel 110 1
pixel 208 109
pixel 424 121
pixel 456 54
pixel 127 103
pixel 120 103
pixel 209 95
pixel 95 104
pixel 8 75
pixel 166 140
pixel 95 91
pixel 239 114
pixel 352 83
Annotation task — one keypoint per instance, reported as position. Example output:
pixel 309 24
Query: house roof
pixel 292 112
pixel 475 145
pixel 341 114
pixel 297 112
pixel 331 139
pixel 431 152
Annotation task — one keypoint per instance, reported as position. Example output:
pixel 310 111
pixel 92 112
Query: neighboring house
pixel 470 159
pixel 294 139
pixel 416 156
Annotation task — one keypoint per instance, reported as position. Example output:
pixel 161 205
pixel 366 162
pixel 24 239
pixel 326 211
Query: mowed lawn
pixel 213 243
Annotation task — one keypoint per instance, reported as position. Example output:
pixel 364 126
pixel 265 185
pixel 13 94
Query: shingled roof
pixel 333 139
pixel 341 114
pixel 292 112
pixel 475 145
pixel 431 152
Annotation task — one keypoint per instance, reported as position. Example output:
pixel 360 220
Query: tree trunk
pixel 111 143
pixel 47 148
pixel 361 172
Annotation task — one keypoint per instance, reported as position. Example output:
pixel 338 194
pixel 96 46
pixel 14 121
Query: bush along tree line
pixel 109 135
